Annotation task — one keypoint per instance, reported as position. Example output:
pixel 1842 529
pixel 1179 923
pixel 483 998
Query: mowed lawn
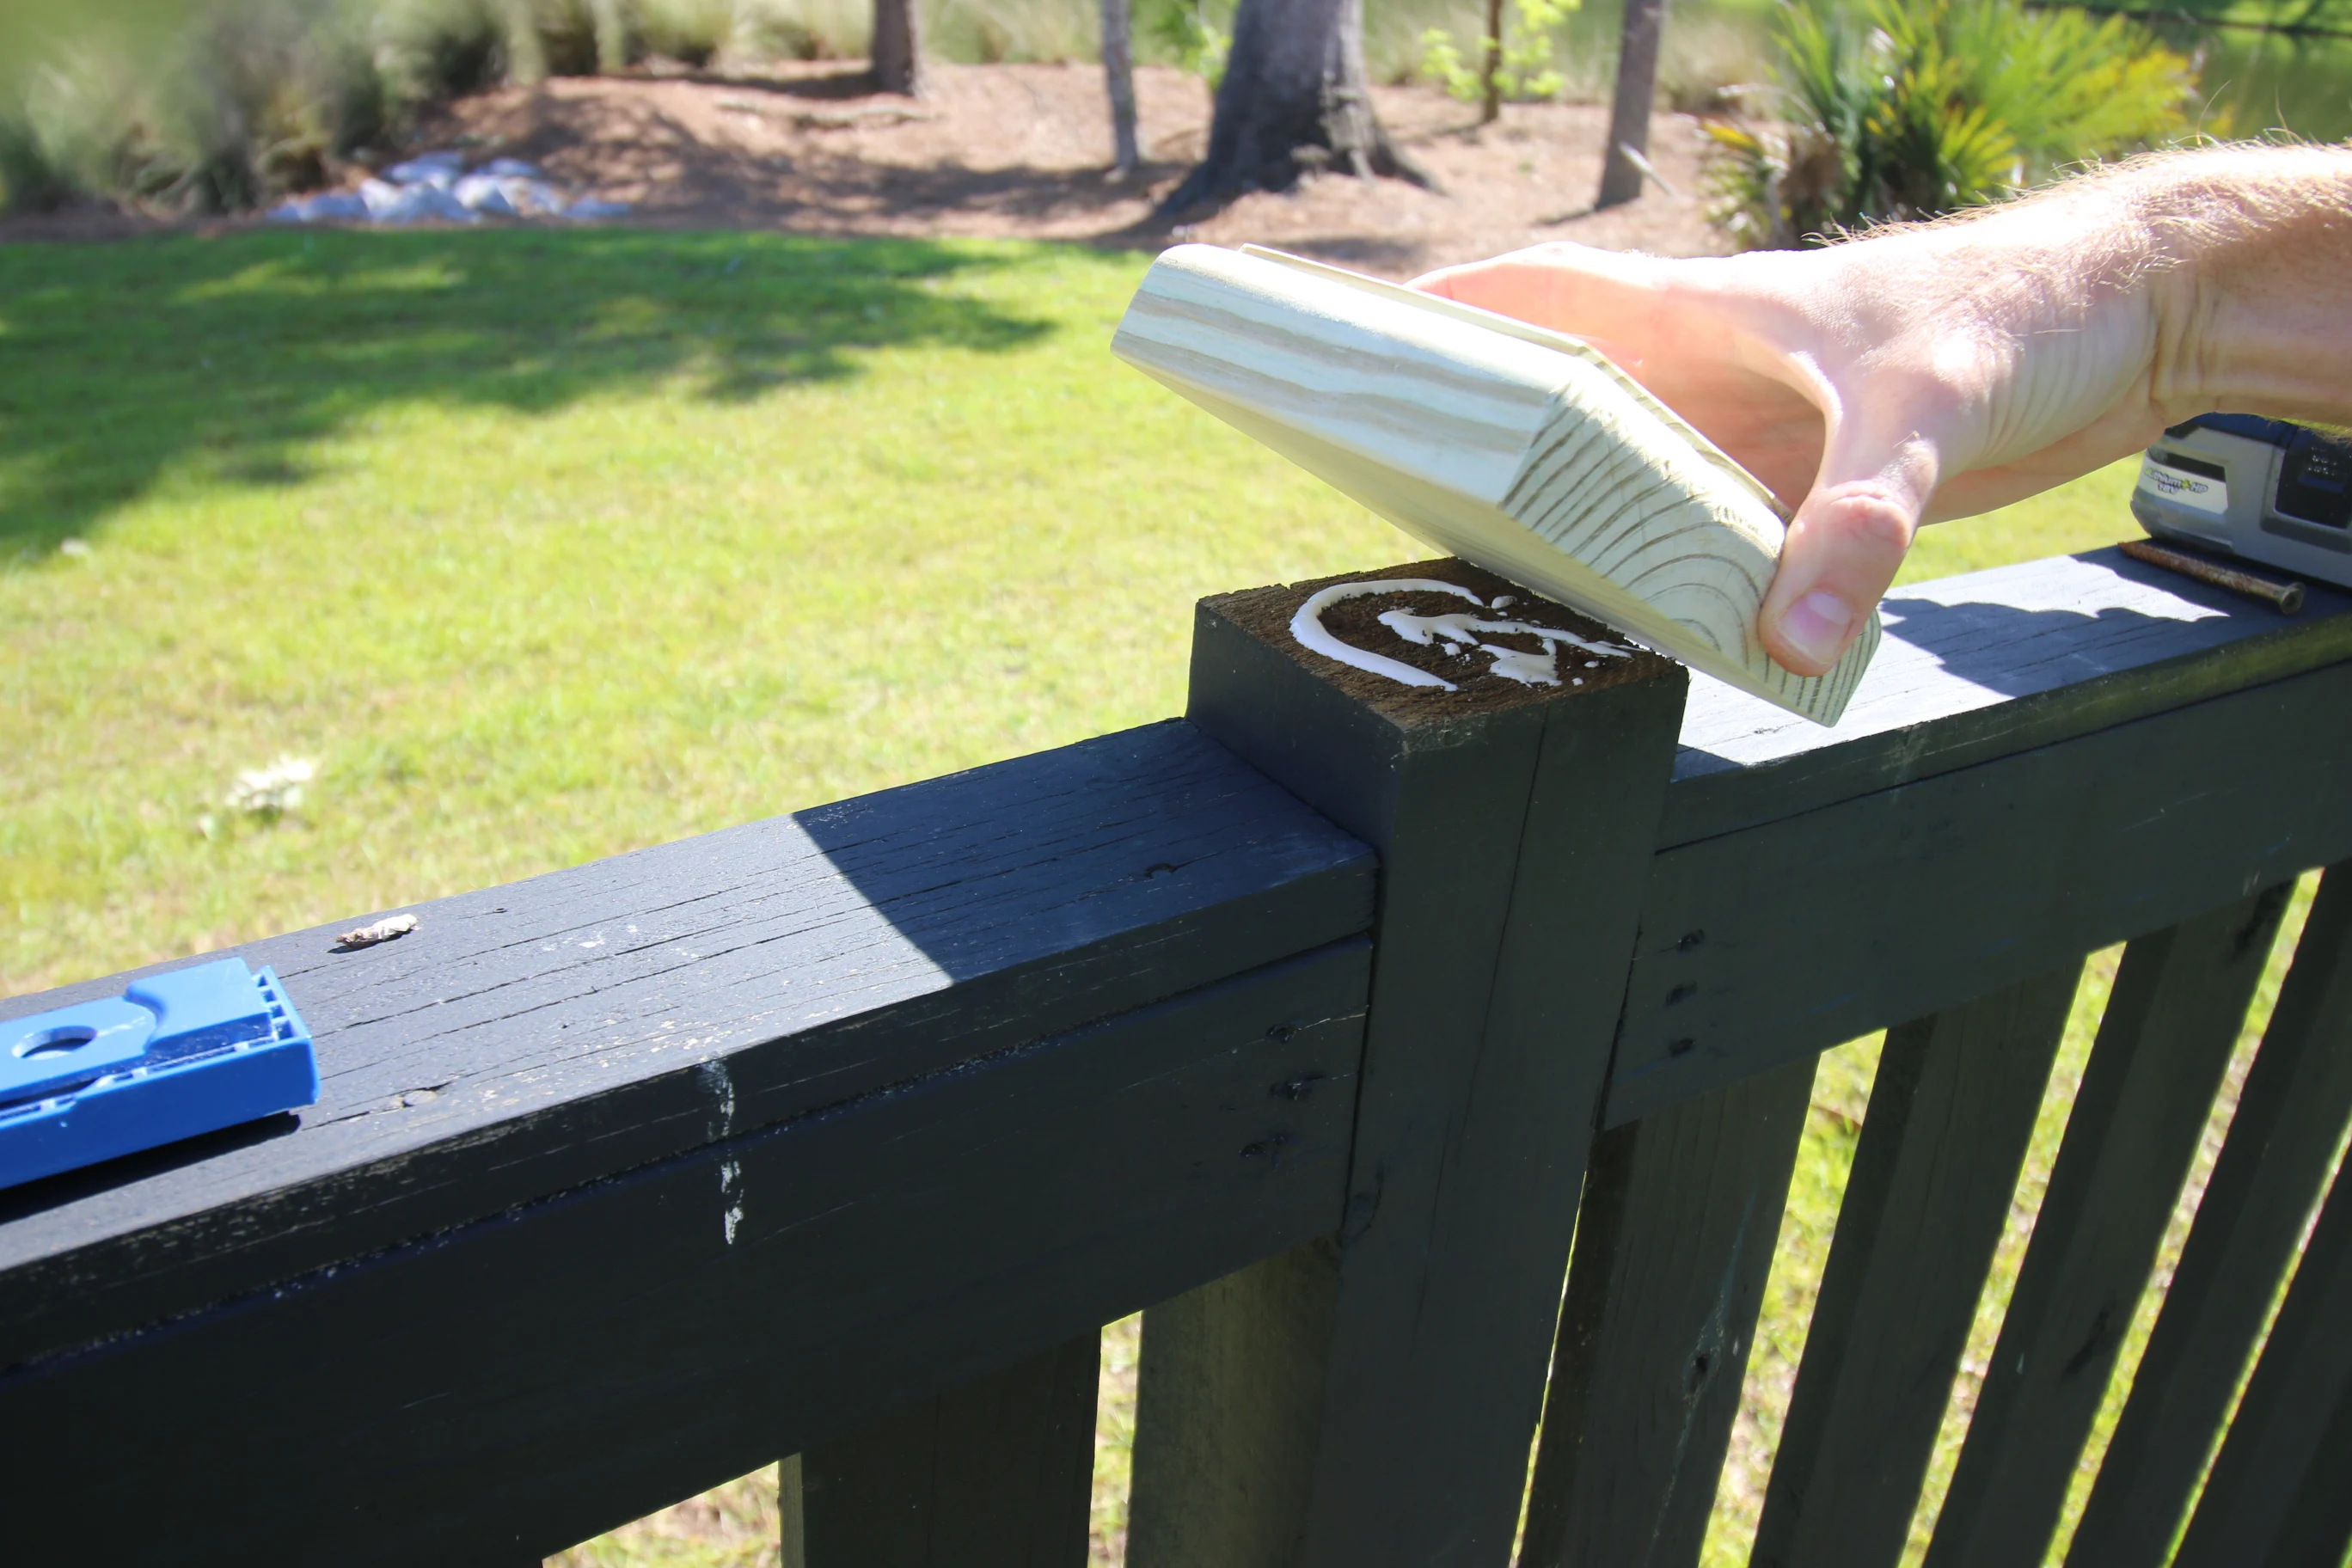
pixel 542 546
pixel 545 546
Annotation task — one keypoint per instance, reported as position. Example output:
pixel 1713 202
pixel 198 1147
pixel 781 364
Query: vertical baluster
pixel 997 1474
pixel 1681 1214
pixel 2178 1004
pixel 1950 1116
pixel 2290 1115
pixel 1229 1393
pixel 2280 1491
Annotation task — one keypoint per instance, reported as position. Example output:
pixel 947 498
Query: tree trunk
pixel 898 48
pixel 1295 97
pixel 526 51
pixel 610 26
pixel 1490 104
pixel 1629 121
pixel 1118 77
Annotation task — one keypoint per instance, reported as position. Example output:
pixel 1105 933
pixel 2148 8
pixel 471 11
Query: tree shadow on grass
pixel 121 363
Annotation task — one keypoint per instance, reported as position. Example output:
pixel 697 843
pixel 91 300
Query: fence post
pixel 1516 824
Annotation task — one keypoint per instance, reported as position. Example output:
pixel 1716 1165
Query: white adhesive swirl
pixel 1307 626
pixel 1456 629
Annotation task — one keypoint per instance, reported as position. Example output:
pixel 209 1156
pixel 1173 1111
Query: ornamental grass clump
pixel 1890 110
pixel 215 113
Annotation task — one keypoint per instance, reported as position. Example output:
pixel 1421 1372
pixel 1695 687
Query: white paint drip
pixel 722 1086
pixel 729 1173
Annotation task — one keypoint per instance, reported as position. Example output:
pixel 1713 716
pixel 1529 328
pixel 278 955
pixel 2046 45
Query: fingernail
pixel 1816 626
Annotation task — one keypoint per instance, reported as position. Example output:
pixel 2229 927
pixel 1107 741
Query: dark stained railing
pixel 1335 1024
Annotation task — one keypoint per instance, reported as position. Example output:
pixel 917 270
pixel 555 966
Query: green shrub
pixel 1891 111
pixel 1523 57
pixel 428 51
pixel 1189 33
pixel 1708 63
pixel 29 180
pixel 804 32
pixel 694 31
pixel 215 117
pixel 989 31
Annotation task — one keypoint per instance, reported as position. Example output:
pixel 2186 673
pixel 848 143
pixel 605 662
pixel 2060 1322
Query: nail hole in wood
pixel 1296 1087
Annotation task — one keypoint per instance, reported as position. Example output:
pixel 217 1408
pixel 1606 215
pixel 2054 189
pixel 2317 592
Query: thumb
pixel 1845 546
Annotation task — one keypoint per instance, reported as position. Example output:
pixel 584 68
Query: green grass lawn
pixel 544 546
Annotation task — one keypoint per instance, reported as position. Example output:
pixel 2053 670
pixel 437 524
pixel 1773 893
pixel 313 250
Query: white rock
pixel 409 204
pixel 325 207
pixel 595 206
pixel 438 169
pixel 485 193
pixel 535 196
pixel 509 168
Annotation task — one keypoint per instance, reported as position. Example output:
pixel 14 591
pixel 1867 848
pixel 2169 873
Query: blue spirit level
pixel 190 1051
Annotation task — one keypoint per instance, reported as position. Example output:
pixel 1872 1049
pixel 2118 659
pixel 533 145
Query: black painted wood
pixel 1987 665
pixel 503 1389
pixel 2280 1491
pixel 2317 1530
pixel 1775 943
pixel 478 1273
pixel 1951 1113
pixel 1229 1393
pixel 1681 1211
pixel 996 1474
pixel 529 1039
pixel 2175 1013
pixel 2290 1117
pixel 1514 826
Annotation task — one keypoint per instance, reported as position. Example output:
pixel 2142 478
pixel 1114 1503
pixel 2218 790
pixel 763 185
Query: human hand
pixel 1873 385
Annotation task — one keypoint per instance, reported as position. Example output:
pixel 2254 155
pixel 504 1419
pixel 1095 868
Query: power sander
pixel 2238 490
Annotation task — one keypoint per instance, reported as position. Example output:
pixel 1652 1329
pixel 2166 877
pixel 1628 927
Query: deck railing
pixel 1335 1024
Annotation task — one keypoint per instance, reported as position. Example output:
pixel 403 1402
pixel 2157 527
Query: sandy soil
pixel 1022 151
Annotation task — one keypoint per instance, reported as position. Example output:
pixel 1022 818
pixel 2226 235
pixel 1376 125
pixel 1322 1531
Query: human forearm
pixel 1946 368
pixel 2256 310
